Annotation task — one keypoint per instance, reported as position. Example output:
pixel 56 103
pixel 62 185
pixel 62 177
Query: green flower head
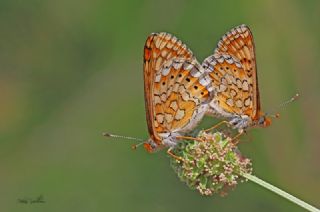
pixel 212 166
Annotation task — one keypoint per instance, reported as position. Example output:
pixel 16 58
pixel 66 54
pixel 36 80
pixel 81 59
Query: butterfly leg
pixel 169 152
pixel 189 138
pixel 234 139
pixel 217 125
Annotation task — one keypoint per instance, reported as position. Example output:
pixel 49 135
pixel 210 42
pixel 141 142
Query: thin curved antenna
pixel 134 146
pixel 282 105
pixel 121 136
pixel 294 98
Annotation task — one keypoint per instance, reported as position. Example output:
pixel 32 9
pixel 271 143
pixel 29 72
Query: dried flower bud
pixel 212 166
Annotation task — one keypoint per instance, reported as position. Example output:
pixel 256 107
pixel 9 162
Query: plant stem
pixel 280 192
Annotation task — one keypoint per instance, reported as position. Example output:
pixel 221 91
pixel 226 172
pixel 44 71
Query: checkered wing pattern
pixel 233 71
pixel 176 87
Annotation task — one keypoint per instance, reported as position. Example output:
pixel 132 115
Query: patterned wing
pixel 233 71
pixel 159 48
pixel 181 93
pixel 233 88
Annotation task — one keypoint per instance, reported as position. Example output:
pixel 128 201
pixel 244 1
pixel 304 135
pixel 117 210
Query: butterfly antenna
pixel 295 97
pixel 109 135
pixel 282 105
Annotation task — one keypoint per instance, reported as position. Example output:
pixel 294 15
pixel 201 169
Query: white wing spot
pixel 177 65
pixel 187 66
pixel 220 59
pixel 195 72
pixel 204 81
pixel 168 117
pixel 230 102
pixel 185 96
pixel 222 88
pixel 238 64
pixel 159 118
pixel 157 100
pixel 224 81
pixel 247 102
pixel 174 105
pixel 163 97
pixel 245 85
pixel 158 78
pixel 239 103
pixel 163 44
pixel 180 114
pixel 239 83
pixel 158 63
pixel 165 71
pixel 233 93
pixel 168 36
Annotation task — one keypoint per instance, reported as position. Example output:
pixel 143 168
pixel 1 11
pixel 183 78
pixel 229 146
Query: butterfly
pixel 177 90
pixel 233 71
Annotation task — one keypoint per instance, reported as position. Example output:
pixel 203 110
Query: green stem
pixel 280 192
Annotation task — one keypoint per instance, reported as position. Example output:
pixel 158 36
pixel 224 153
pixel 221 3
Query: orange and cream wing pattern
pixel 177 89
pixel 232 69
pixel 181 94
pixel 159 48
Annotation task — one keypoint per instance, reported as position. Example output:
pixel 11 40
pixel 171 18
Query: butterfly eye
pixel 261 120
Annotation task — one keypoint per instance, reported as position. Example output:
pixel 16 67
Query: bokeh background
pixel 70 70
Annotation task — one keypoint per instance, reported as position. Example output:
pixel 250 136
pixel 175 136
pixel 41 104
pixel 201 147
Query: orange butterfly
pixel 177 90
pixel 233 71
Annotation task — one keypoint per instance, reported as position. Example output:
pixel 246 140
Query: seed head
pixel 212 166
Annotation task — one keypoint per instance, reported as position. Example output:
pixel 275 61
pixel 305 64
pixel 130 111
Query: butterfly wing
pixel 234 73
pixel 181 93
pixel 159 48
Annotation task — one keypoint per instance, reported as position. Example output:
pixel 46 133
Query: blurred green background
pixel 70 70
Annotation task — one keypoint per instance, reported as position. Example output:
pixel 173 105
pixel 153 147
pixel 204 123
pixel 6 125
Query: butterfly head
pixel 265 119
pixel 151 146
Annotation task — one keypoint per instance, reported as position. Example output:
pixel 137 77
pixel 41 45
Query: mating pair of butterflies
pixel 179 90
